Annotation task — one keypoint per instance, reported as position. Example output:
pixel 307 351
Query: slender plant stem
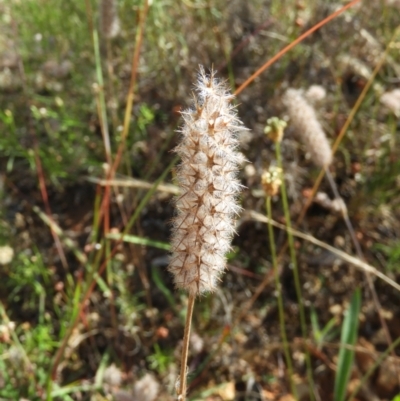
pixel 280 300
pixel 101 99
pixel 295 274
pixel 185 349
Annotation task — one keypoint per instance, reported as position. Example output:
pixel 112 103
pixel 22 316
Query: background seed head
pixel 307 128
pixel 109 20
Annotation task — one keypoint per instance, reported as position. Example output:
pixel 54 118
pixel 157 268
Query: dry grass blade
pixel 135 183
pixel 365 267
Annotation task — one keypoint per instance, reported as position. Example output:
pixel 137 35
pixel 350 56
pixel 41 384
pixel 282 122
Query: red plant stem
pixel 293 44
pixel 43 191
pixel 129 103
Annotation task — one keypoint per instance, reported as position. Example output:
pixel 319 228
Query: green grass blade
pixel 133 239
pixel 98 381
pixel 347 342
pixel 315 325
pixel 71 389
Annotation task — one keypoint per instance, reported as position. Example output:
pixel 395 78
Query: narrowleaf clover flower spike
pixel 207 208
pixel 205 212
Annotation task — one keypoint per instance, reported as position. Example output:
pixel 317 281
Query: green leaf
pixel 315 325
pixel 347 341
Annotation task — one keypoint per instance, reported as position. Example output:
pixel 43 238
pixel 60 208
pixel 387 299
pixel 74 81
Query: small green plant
pixel 324 334
pixel 347 342
pixel 26 355
pixel 160 360
pixel 28 279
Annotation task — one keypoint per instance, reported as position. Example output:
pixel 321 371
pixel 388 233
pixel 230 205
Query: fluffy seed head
pixel 206 210
pixel 392 101
pixel 112 376
pixel 109 21
pixel 146 389
pixel 315 93
pixel 307 128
